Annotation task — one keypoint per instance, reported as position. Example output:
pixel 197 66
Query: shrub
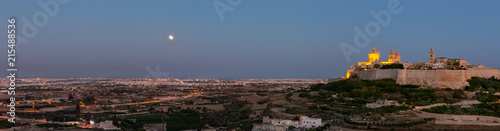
pixel 393 66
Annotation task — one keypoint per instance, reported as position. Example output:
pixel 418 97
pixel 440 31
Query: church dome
pixel 374 51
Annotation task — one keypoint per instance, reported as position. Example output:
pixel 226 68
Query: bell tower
pixel 431 56
pixel 392 57
pixel 398 57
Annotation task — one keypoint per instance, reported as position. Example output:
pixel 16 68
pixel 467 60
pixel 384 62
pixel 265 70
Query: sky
pixel 256 39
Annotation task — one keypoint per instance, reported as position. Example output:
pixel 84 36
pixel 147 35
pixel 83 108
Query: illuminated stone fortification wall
pixel 455 79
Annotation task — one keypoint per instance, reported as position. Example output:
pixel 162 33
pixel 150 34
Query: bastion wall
pixel 455 79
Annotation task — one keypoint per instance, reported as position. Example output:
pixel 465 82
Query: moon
pixel 171 37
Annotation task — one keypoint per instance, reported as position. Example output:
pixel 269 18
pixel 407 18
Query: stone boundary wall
pixel 462 119
pixel 455 79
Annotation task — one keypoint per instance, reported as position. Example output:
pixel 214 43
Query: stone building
pixel 307 122
pixel 374 58
pixel 443 62
pixel 380 103
pixel 269 124
pixel 374 61
pixel 439 72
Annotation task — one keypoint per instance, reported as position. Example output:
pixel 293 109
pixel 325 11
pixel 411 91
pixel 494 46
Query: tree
pixel 327 125
pixel 459 94
pixel 87 118
pixel 393 66
pixel 267 111
pixel 89 99
pixel 231 116
pixel 115 120
pixel 486 97
pixel 70 97
pixel 170 109
pixel 246 125
pixel 376 66
pixel 303 94
pixel 288 95
pixel 77 110
pixel 316 87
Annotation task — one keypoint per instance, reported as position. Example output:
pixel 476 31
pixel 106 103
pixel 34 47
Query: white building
pixel 284 122
pixel 269 124
pixel 307 122
pixel 380 103
pixel 108 125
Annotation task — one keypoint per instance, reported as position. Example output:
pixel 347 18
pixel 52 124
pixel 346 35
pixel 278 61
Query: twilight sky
pixel 257 39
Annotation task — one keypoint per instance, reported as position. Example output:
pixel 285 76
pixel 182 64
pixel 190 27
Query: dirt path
pixel 464 103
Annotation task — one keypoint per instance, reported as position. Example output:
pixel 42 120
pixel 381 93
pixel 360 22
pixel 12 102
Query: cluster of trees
pixel 287 97
pixel 57 116
pixel 446 110
pixel 264 101
pixel 486 97
pixel 296 110
pixel 89 100
pixel 492 108
pixel 6 124
pixel 393 66
pixel 126 124
pixel 235 114
pixel 376 89
pixel 304 94
pixel 478 109
pixel 459 94
pixel 384 109
pixel 425 120
pixel 351 84
pixel 184 119
pixel 180 120
pixel 489 84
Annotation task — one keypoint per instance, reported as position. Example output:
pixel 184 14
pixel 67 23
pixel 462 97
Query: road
pixel 155 101
pixel 121 104
pixel 464 103
pixel 26 120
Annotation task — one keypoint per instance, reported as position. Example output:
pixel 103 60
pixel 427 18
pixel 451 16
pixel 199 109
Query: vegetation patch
pixel 48 125
pixel 478 109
